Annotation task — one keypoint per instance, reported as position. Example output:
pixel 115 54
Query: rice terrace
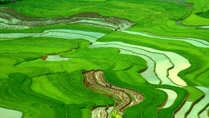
pixel 104 58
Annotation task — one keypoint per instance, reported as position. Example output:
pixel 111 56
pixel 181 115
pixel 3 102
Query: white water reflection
pixel 172 95
pixel 182 112
pixel 194 113
pixel 58 33
pixel 8 113
pixel 56 58
pixel 205 113
pixel 164 61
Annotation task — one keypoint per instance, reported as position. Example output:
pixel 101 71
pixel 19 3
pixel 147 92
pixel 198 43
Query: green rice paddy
pixel 156 49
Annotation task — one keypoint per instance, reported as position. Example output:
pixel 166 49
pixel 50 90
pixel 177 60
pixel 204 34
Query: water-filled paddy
pixel 8 113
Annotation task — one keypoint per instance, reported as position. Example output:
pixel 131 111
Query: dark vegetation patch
pixel 204 14
pixel 8 1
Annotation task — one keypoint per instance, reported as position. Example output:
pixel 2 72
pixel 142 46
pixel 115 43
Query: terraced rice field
pixel 104 59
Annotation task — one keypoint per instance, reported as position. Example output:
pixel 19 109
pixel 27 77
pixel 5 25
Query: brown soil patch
pixel 124 98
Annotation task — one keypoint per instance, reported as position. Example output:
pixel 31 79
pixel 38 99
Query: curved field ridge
pixel 149 74
pixel 58 33
pixel 91 36
pixel 99 22
pixel 88 33
pixel 193 41
pixel 205 114
pixel 160 69
pixel 180 63
pixel 198 107
pixel 8 21
pixel 163 63
pixel 8 113
pixel 177 60
pixel 182 112
pixel 172 95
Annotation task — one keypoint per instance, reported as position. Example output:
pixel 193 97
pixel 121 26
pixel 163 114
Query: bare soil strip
pixel 136 97
pixel 124 98
pixel 99 112
pixel 120 97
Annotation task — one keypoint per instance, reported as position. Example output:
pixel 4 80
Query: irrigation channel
pixel 163 66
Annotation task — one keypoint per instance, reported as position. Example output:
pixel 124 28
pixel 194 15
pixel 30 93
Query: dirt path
pixel 99 112
pixel 135 96
pixel 124 98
